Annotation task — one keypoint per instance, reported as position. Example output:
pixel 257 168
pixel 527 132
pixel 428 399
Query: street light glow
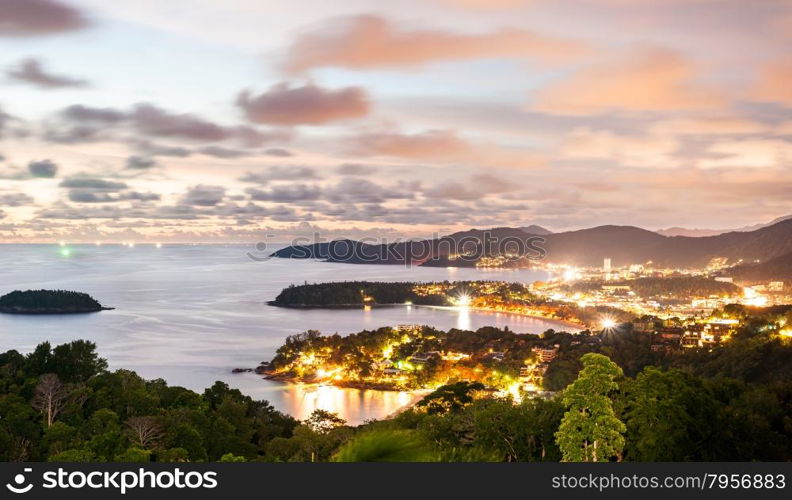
pixel 608 323
pixel 463 300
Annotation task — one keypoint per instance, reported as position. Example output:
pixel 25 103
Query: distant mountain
pixel 681 231
pixel 586 247
pixel 693 233
pixel 775 269
pixel 760 226
pixel 537 230
pixel 626 245
pixel 476 242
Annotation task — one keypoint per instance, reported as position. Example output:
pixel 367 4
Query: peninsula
pixel 496 296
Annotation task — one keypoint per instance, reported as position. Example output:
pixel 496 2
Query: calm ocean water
pixel 191 313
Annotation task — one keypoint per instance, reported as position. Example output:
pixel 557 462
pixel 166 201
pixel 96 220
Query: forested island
pixel 501 296
pixel 728 403
pixel 49 302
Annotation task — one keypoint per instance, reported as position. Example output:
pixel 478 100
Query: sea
pixel 190 314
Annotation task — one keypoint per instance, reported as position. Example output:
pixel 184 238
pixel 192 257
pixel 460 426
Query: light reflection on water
pixel 189 314
pixel 301 400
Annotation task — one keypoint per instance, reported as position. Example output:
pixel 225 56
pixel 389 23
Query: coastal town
pixel 665 312
pixel 414 357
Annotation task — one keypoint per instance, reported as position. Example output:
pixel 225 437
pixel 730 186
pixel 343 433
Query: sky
pixel 198 120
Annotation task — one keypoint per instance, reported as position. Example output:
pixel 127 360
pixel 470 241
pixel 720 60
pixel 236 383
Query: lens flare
pixel 608 323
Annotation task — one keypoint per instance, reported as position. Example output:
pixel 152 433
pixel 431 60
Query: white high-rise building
pixel 606 268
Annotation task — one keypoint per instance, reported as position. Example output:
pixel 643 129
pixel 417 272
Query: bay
pixel 189 314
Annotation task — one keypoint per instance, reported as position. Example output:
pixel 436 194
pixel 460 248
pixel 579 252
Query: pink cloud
pixel 775 83
pixel 443 146
pixel 645 80
pixel 635 151
pixel 363 42
pixel 749 153
pixel 714 125
pixel 486 4
pixel 286 105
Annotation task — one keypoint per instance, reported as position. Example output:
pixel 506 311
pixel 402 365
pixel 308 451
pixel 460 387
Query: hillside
pixel 683 231
pixel 779 269
pixel 627 244
pixel 624 245
pixel 680 286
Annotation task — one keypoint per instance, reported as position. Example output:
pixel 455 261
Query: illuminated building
pixel 546 354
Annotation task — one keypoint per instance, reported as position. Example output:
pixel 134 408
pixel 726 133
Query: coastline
pixel 564 322
pixel 341 384
pixel 567 323
pixel 415 395
pixel 34 312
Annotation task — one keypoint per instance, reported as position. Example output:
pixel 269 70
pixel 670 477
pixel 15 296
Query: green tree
pixel 77 361
pixel 73 455
pixel 386 446
pixel 669 417
pixel 107 439
pixel 230 457
pixel 518 433
pixel 134 454
pixel 450 398
pixel 59 437
pixel 322 421
pixel 174 455
pixel 590 430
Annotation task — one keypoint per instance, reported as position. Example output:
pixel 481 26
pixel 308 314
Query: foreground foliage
pixel 614 400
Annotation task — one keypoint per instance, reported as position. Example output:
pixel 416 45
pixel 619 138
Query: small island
pixel 495 296
pixel 49 302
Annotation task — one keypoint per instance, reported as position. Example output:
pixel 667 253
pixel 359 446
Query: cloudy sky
pixel 203 120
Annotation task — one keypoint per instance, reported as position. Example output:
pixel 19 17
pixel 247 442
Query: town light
pixel 753 298
pixel 608 323
pixel 463 300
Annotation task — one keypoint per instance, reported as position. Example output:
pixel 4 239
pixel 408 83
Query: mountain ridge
pixel 588 247
pixel 695 233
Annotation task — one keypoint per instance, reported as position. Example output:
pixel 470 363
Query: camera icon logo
pixel 19 481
